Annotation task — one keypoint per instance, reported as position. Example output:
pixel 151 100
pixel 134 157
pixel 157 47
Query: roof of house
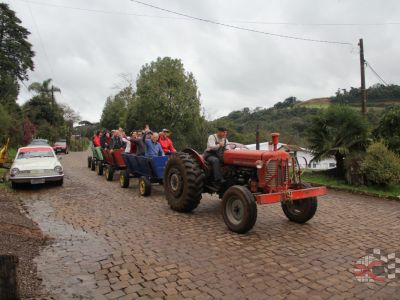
pixel 291 148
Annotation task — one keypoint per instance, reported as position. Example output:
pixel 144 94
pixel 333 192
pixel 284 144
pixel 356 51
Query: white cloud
pixel 84 52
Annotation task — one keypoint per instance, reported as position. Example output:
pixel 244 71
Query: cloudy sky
pixel 84 45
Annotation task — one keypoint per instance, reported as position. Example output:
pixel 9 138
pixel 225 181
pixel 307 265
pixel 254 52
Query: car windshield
pixel 33 153
pixel 39 143
pixel 60 144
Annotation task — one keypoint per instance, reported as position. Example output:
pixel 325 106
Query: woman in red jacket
pixel 96 139
pixel 165 142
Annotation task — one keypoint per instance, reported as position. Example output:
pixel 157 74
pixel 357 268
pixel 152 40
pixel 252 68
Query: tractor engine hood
pixel 249 158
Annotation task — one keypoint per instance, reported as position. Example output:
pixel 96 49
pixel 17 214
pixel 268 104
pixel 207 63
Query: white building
pixel 304 156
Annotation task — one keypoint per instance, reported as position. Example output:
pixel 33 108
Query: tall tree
pixel 167 96
pixel 15 54
pixel 336 132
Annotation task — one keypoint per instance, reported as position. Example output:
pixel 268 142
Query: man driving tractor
pixel 214 154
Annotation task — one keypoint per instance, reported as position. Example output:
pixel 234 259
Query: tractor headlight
pixel 259 164
pixel 58 169
pixel 14 171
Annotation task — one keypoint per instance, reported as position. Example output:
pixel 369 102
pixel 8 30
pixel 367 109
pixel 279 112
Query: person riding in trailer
pixel 165 142
pixel 153 148
pixel 116 141
pixel 214 154
pixel 130 145
pixel 97 145
pixel 105 140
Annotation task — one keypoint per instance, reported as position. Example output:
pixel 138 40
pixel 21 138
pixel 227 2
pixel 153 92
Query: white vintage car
pixel 36 165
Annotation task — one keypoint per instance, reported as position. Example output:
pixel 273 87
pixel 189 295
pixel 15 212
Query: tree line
pixel 376 93
pixel 41 116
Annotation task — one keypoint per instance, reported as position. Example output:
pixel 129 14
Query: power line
pixel 102 11
pixel 376 73
pixel 241 28
pixel 319 24
pixel 99 10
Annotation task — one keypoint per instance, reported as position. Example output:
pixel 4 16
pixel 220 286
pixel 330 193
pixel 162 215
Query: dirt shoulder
pixel 20 236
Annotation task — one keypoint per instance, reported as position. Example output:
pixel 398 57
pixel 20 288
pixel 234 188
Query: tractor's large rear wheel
pixel 183 182
pixel 300 211
pixel 239 209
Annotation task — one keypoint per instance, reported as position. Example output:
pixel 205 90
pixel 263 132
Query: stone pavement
pixel 110 243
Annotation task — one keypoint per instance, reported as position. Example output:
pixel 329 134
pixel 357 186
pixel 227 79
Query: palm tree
pixel 45 89
pixel 336 132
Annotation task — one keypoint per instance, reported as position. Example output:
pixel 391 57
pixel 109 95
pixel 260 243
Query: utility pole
pixel 363 90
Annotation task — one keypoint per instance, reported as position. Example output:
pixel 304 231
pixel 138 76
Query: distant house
pixel 304 156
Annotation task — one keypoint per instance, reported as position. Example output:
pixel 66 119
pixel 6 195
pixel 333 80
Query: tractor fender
pixel 198 157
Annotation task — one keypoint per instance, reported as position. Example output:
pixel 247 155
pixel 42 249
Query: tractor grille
pixel 277 173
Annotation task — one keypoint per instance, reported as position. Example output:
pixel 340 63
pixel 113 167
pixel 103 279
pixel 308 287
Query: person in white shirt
pixel 216 145
pixel 128 141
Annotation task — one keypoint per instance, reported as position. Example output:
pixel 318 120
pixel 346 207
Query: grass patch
pixel 329 181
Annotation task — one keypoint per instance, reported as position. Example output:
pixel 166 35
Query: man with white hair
pixel 153 148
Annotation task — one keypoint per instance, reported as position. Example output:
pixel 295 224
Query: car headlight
pixel 58 169
pixel 14 171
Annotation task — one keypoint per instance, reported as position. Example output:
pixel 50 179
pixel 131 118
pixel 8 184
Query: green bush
pixel 381 166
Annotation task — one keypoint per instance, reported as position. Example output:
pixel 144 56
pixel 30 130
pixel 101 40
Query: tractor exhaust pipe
pixel 275 140
pixel 258 137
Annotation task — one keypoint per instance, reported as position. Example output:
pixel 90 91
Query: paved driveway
pixel 108 243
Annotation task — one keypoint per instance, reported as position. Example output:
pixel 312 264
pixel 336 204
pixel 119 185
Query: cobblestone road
pixel 111 243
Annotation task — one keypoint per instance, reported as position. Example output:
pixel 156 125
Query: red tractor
pixel 252 177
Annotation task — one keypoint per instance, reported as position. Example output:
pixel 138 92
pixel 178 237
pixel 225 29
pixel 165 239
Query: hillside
pixel 378 97
pixel 292 117
pixel 371 103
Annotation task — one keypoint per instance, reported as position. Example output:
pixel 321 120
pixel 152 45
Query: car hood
pixel 36 163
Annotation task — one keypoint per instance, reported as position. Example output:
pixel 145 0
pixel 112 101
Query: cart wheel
pixel 93 164
pixel 99 168
pixel 109 172
pixel 89 159
pixel 144 186
pixel 239 209
pixel 124 179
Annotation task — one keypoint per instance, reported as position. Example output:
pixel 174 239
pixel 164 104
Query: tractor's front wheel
pixel 239 209
pixel 300 211
pixel 144 186
pixel 109 172
pixel 183 182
